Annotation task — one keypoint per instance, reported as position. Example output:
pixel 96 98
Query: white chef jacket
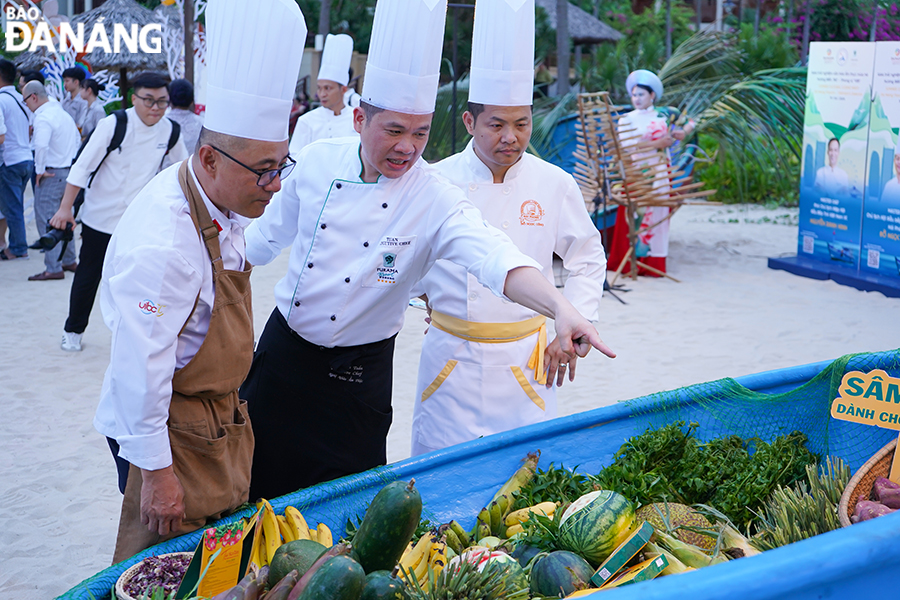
pixel 155 266
pixel 321 124
pixel 56 138
pixel 359 247
pixel 124 172
pixel 542 210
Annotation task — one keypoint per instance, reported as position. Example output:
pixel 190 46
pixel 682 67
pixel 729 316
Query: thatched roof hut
pixel 584 28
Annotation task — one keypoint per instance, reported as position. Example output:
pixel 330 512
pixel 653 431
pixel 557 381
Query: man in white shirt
pixel 831 179
pixel 56 140
pixel 483 368
pixel 176 291
pixel 72 101
pixel 17 162
pixel 334 118
pixel 365 220
pixel 119 177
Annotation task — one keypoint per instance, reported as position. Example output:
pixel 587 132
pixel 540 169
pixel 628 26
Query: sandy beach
pixel 729 316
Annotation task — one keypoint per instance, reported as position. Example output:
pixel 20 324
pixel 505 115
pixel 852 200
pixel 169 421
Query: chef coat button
pixel 505 224
pixel 384 205
pixel 310 265
pixel 297 303
pixel 473 296
pixel 337 185
pixel 473 187
pixel 366 244
pixel 346 280
pixel 322 225
pixel 506 190
pixel 333 317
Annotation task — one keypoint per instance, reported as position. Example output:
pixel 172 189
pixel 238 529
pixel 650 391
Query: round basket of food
pixel 165 571
pixel 869 493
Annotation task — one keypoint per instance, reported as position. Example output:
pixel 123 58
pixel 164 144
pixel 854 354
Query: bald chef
pixel 176 290
pixel 334 118
pixel 483 367
pixel 365 220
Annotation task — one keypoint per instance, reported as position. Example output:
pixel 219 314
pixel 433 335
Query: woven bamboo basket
pixel 862 481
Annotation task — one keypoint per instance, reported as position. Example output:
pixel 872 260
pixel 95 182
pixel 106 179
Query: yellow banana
pixel 406 552
pixel 286 534
pixel 421 569
pixel 415 556
pixel 523 514
pixel 299 528
pixel 257 554
pixel 313 534
pixel 514 529
pixel 323 535
pixel 270 527
pixel 438 556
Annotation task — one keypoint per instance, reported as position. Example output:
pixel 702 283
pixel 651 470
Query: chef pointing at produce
pixel 365 220
pixel 483 368
pixel 176 288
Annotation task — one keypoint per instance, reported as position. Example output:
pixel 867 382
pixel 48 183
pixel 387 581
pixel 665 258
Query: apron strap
pixel 206 229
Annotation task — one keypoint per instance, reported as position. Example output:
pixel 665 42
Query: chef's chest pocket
pixel 391 263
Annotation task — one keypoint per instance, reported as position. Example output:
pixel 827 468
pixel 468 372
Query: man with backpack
pixel 116 161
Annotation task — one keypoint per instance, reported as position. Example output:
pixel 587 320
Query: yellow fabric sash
pixel 500 333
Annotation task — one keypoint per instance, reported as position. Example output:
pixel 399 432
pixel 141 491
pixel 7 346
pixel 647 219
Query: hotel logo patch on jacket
pixel 531 213
pixel 149 307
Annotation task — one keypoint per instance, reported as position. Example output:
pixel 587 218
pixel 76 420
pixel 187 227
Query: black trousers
pixel 318 413
pixel 87 278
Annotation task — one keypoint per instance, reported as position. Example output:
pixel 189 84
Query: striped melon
pixel 596 524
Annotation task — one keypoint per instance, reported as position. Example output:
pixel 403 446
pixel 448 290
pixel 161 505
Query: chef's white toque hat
pixel 336 58
pixel 253 59
pixel 502 71
pixel 404 59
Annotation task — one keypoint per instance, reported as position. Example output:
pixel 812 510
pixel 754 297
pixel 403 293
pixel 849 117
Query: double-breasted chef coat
pixel 321 124
pixel 356 250
pixel 467 389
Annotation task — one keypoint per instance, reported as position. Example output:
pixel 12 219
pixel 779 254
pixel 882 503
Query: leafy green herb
pixel 554 485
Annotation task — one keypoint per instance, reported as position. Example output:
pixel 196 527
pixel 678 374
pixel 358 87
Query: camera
pixel 53 237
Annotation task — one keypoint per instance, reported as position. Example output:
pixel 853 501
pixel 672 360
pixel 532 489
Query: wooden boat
pixel 854 562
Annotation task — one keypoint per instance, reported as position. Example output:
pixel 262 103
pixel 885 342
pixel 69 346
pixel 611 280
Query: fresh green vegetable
pixel 341 578
pixel 553 485
pixel 388 526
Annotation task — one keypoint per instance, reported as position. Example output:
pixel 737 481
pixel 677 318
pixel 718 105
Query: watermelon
pixel 596 524
pixel 560 571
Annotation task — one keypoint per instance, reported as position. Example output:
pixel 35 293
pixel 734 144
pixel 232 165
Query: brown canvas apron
pixel 209 429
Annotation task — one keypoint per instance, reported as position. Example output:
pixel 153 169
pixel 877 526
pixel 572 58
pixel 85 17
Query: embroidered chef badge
pixel 149 307
pixel 531 214
pixel 392 249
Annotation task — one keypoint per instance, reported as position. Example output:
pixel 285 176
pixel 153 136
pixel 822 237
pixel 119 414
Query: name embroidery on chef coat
pixel 149 307
pixel 531 213
pixel 387 271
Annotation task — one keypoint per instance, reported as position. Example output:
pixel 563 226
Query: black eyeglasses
pixel 264 177
pixel 150 102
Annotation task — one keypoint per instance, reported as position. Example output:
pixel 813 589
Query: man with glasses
pixel 110 183
pixel 176 289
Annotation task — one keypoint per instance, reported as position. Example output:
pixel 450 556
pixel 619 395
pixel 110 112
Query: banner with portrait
pixel 835 138
pixel 881 211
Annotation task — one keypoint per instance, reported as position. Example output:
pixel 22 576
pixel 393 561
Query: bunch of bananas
pixel 514 520
pixel 428 554
pixel 274 530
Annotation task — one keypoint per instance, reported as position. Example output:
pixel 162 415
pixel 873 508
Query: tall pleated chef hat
pixel 404 59
pixel 253 59
pixel 502 72
pixel 336 58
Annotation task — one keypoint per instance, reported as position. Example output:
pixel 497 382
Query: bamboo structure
pixel 610 157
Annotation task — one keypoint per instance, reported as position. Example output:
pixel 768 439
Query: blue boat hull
pixel 456 483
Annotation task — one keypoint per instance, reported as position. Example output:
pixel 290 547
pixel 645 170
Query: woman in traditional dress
pixel 653 130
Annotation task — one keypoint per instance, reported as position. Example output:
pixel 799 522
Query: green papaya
pixel 341 578
pixel 388 526
pixel 381 585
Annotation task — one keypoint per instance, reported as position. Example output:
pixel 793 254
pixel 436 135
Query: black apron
pixel 318 413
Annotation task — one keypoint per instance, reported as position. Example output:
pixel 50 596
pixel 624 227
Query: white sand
pixel 730 316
